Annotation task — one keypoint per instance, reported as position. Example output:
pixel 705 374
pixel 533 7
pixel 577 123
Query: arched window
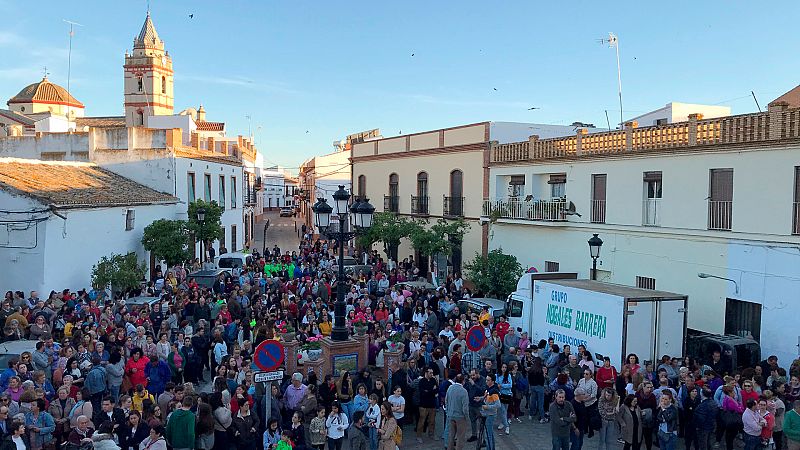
pixel 456 183
pixel 362 186
pixel 422 184
pixel 139 83
pixel 394 185
pixel 140 118
pixel 392 201
pixel 419 205
pixel 455 204
pixel 163 85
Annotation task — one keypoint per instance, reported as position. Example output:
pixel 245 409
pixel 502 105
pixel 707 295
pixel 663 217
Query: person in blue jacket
pixel 158 374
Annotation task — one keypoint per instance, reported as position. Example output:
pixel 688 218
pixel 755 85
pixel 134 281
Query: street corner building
pixel 59 217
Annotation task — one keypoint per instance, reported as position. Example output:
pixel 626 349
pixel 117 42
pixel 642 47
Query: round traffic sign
pixel 476 337
pixel 269 355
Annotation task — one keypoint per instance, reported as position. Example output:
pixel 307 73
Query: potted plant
pixel 395 342
pixel 313 347
pixel 286 331
pixel 360 324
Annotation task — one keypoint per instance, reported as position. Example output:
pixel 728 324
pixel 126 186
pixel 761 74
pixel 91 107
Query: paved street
pixel 525 435
pixel 283 231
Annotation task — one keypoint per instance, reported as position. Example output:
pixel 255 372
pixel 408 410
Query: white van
pixel 233 260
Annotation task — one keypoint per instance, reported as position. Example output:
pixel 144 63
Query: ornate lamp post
pixel 360 213
pixel 594 251
pixel 201 219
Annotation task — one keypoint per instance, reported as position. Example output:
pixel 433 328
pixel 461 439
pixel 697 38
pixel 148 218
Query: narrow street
pixel 283 231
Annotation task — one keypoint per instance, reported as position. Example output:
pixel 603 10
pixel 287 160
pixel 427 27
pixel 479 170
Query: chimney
pixel 201 114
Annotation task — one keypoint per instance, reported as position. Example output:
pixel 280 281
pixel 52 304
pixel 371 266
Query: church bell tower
pixel 148 78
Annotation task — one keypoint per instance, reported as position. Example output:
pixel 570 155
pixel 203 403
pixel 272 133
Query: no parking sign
pixel 269 355
pixel 476 337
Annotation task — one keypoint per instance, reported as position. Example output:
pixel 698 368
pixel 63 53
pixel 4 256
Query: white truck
pixel 609 319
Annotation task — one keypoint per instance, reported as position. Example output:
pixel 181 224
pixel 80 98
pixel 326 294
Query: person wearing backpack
pixel 390 435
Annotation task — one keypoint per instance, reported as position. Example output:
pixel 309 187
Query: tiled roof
pixel 45 92
pixel 100 122
pixel 207 156
pixel 792 98
pixel 17 117
pixel 69 184
pixel 202 125
pixel 148 36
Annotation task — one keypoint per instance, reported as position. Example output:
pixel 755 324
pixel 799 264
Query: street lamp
pixel 361 214
pixel 201 218
pixel 708 275
pixel 594 251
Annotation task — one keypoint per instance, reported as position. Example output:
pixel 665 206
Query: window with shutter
pixel 720 202
pixel 599 198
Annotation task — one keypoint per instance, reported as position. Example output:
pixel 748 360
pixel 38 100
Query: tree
pixel 495 274
pixel 122 272
pixel 211 228
pixel 388 228
pixel 439 237
pixel 168 240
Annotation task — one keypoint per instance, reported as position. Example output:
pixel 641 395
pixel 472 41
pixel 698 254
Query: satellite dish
pixel 570 210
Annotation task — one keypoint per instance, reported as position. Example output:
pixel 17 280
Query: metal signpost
pixel 268 357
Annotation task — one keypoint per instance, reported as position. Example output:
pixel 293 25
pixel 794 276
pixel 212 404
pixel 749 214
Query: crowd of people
pixel 178 373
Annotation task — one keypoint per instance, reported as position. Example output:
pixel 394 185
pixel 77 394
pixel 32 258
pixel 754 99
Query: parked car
pixel 12 349
pixel 233 260
pixel 736 352
pixel 286 212
pixel 475 305
pixel 207 278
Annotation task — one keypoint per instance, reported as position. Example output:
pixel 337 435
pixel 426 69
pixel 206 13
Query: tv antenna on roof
pixel 613 42
pixel 69 55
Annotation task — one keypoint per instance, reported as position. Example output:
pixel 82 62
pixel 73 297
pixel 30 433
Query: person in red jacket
pixel 502 327
pixel 135 366
pixel 606 375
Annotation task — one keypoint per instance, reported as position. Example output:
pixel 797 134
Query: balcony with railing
pixel 419 205
pixel 391 203
pixel 453 206
pixel 598 211
pixel 651 212
pixel 250 195
pixel 720 214
pixel 535 210
pixel 778 123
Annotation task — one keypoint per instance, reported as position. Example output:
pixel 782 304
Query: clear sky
pixel 311 72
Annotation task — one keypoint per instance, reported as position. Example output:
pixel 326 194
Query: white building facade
pixel 716 196
pixel 60 218
pixel 274 182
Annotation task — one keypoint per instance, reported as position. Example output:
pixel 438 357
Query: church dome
pixel 47 93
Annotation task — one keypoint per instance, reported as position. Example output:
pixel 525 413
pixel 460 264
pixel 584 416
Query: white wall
pixel 679 112
pixel 66 251
pixel 505 132
pixel 331 171
pixel 54 124
pixel 21 245
pixel 231 216
pixel 32 147
pixel 274 189
pixel 185 123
